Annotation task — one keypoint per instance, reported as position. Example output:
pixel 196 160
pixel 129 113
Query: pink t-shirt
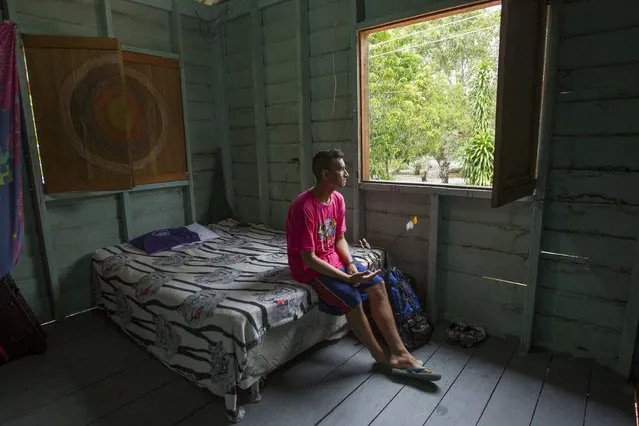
pixel 314 226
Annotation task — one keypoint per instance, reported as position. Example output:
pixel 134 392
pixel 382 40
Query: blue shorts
pixel 337 297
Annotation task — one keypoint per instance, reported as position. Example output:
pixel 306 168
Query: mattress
pixel 222 313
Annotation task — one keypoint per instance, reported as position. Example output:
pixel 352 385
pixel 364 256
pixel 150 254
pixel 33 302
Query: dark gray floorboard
pixel 100 398
pixel 290 381
pixel 74 327
pixel 309 405
pixel 363 405
pixel 610 400
pixel 415 402
pixel 35 381
pixel 96 374
pixel 163 406
pixel 468 396
pixel 515 397
pixel 563 397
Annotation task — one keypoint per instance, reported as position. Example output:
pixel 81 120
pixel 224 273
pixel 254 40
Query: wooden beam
pixel 260 115
pixel 90 194
pixel 428 189
pixel 545 137
pixel 176 42
pixel 304 95
pixel 33 166
pixel 125 200
pixel 107 18
pixel 433 245
pixel 355 149
pixel 631 320
pixel 222 115
pixel 160 53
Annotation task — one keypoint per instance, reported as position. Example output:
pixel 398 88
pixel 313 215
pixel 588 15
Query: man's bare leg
pixel 358 322
pixel 383 316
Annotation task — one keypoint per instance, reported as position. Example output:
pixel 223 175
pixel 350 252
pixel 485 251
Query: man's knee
pixel 377 291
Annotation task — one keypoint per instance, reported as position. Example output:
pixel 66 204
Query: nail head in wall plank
pixel 260 113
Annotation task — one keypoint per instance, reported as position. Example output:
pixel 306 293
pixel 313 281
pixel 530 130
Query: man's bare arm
pixel 324 268
pixel 343 250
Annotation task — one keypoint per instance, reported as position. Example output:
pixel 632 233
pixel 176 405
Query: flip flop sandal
pixel 454 329
pixel 420 373
pixel 471 335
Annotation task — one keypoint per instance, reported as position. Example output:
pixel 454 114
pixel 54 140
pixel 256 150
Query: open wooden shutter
pixel 76 86
pixel 519 87
pixel 153 93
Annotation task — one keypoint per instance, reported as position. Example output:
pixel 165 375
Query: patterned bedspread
pixel 201 308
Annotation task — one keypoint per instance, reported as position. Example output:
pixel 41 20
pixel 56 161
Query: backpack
pixel 412 324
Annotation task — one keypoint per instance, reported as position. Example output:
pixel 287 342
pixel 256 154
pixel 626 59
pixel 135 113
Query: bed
pixel 223 313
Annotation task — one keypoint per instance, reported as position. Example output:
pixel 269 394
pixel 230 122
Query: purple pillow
pixel 165 239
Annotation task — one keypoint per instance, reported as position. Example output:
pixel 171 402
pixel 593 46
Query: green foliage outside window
pixel 432 90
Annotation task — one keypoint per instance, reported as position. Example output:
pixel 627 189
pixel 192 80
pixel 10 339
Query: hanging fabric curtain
pixel 11 214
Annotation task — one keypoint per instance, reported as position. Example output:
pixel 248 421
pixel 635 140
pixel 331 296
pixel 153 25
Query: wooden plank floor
pixel 93 374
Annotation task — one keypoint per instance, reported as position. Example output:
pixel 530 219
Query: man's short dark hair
pixel 322 160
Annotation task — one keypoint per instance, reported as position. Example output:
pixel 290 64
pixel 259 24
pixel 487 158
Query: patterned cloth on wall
pixel 11 214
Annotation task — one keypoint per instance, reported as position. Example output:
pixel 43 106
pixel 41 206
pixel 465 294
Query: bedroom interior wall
pixel 79 226
pixel 587 287
pixel 588 282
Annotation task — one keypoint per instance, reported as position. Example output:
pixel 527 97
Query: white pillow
pixel 204 233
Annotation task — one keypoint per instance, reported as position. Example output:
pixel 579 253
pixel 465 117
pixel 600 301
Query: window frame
pixel 367 27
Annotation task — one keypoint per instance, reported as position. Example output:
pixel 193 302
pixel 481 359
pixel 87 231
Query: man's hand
pixel 360 277
pixel 351 269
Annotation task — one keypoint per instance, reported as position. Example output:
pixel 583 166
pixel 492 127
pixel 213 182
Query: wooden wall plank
pixel 32 165
pixel 432 297
pixel 563 335
pixel 260 114
pixel 597 83
pixel 611 252
pixel 630 323
pixel 142 26
pixel 605 153
pixel 594 49
pixel 593 187
pixel 583 279
pixel 304 95
pixel 611 117
pixel 177 47
pixel 541 182
pixel 595 16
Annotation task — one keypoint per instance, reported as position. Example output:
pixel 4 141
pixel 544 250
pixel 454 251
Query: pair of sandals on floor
pixel 466 334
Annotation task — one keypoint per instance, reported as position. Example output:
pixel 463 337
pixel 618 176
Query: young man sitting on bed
pixel 318 254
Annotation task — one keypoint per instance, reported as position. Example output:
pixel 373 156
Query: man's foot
pixel 405 360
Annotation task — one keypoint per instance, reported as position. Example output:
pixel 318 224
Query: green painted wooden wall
pixel 285 72
pixel 79 226
pixel 589 234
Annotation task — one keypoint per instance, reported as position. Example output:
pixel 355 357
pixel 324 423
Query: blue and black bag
pixel 412 323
